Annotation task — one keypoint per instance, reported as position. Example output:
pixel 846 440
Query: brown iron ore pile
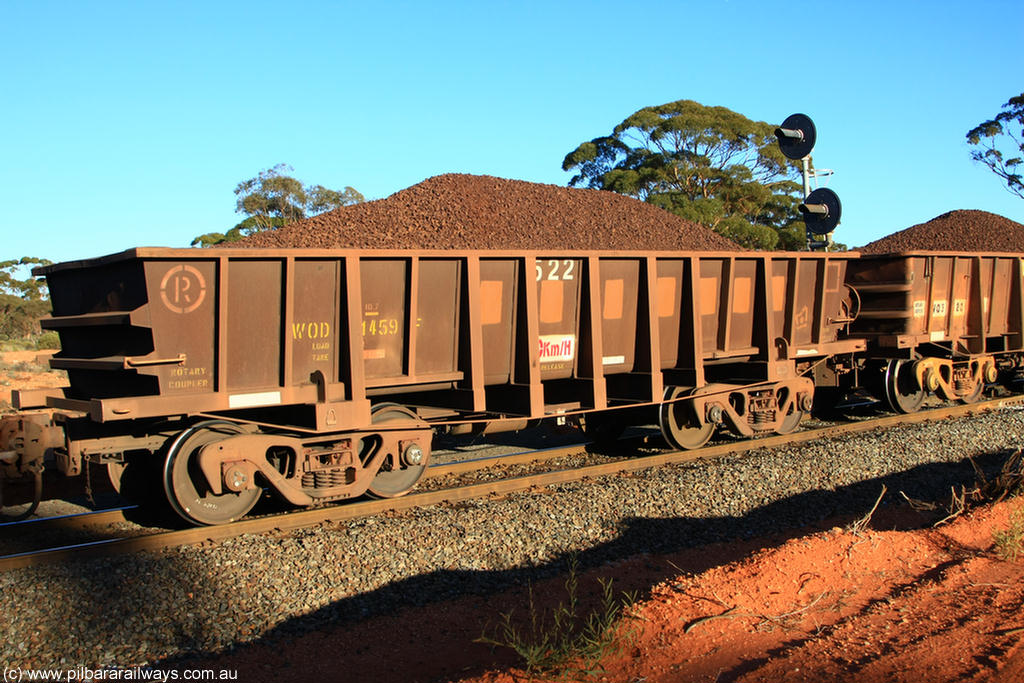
pixel 457 211
pixel 963 230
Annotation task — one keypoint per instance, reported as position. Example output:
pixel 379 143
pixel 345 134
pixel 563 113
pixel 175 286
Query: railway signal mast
pixel 821 208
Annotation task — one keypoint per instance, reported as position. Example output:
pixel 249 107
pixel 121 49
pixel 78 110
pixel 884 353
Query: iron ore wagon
pixel 324 374
pixel 938 323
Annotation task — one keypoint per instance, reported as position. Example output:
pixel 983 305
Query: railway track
pixel 138 542
pixel 95 527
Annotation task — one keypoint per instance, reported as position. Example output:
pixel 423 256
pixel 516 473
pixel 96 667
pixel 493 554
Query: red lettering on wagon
pixel 557 347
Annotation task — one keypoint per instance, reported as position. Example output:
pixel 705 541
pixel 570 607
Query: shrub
pixel 566 637
pixel 1009 542
pixel 48 340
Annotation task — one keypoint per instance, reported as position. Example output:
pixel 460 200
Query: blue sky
pixel 129 124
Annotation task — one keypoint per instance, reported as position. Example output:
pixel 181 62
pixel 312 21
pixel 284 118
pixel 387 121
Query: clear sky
pixel 130 123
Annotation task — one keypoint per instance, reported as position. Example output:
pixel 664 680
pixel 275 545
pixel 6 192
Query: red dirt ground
pixel 916 605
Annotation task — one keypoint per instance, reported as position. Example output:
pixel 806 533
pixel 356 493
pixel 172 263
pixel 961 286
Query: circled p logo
pixel 183 289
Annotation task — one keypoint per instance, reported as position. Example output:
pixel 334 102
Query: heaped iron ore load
pixel 959 231
pixel 457 211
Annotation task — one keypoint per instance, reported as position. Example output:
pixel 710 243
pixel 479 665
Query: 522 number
pixel 553 269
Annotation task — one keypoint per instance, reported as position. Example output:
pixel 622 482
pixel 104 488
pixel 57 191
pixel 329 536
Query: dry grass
pixel 1009 542
pixel 861 525
pixel 566 641
pixel 1008 482
pixel 23 367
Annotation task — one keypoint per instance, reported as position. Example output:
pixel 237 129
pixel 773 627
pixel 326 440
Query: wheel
pixel 975 394
pixel 902 391
pixel 680 424
pixel 186 487
pixel 115 473
pixel 791 421
pixel 19 512
pixel 395 478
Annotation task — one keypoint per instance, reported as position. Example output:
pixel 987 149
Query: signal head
pixel 822 211
pixel 796 136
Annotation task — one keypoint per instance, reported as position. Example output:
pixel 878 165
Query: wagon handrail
pixel 143 362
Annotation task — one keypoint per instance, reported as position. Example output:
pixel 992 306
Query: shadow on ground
pixel 423 628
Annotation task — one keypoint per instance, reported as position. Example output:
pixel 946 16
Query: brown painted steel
pixel 971 303
pixel 307 340
pixel 239 332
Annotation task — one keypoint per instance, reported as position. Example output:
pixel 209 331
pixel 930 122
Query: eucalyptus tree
pixel 273 199
pixel 23 299
pixel 709 165
pixel 999 144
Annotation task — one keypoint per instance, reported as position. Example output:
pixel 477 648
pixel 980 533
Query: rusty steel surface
pixel 971 302
pixel 248 367
pixel 358 509
pixel 157 332
pixel 228 364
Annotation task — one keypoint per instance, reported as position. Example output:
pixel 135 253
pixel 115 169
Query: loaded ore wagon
pixel 324 374
pixel 944 323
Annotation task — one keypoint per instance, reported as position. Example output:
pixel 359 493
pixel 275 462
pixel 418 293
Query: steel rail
pixel 517 458
pixel 502 487
pixel 71 520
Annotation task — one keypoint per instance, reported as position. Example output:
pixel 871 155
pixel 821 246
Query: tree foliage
pixel 999 144
pixel 709 165
pixel 23 299
pixel 273 199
